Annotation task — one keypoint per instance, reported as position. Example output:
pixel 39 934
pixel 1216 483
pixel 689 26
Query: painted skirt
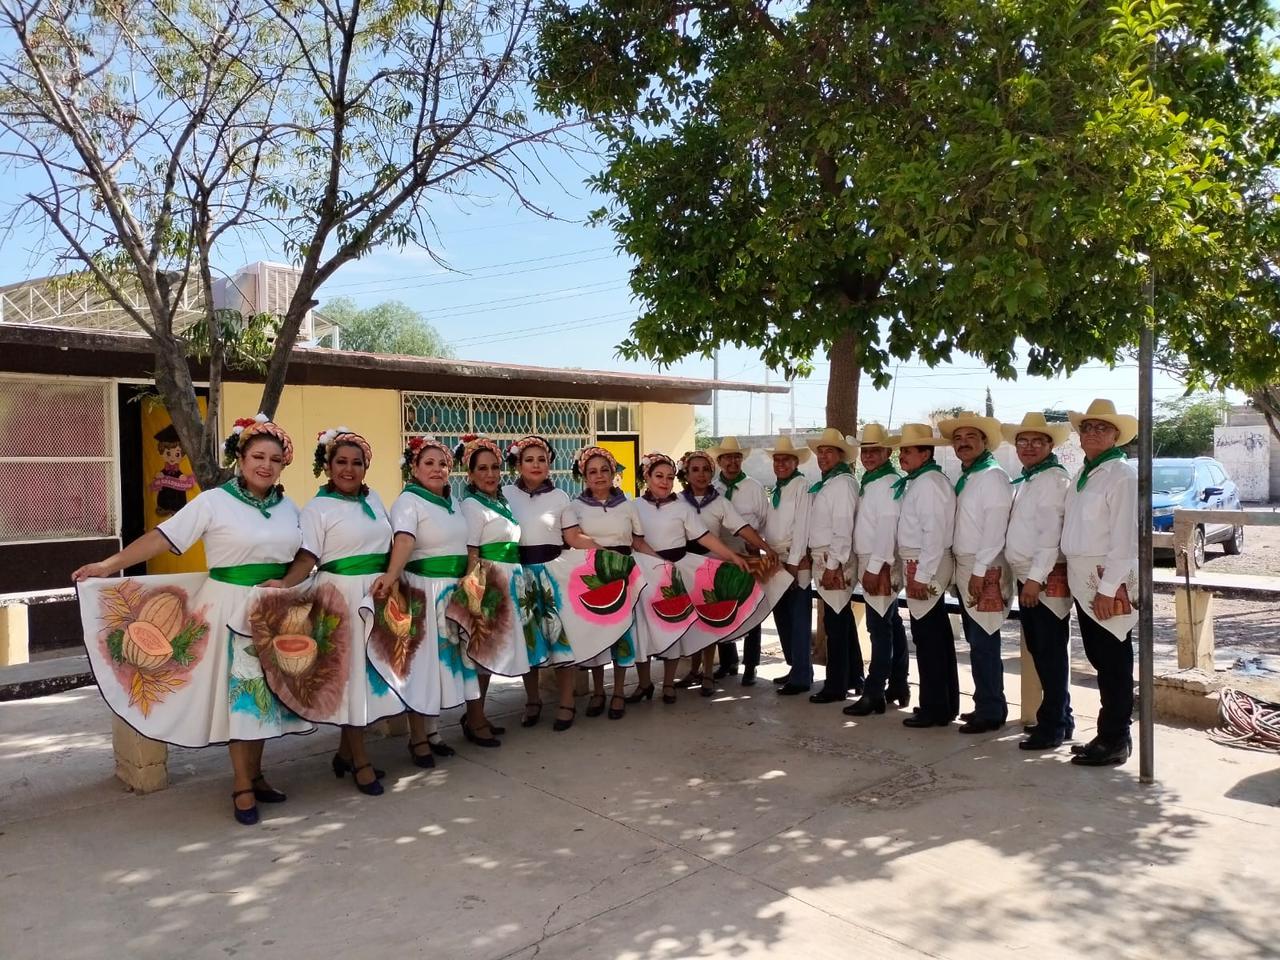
pixel 174 658
pixel 595 593
pixel 312 643
pixel 414 651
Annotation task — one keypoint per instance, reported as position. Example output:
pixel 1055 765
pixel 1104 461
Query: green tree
pixel 1184 427
pixel 873 181
pixel 387 327
pixel 151 139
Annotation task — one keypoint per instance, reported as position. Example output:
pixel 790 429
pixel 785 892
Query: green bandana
pixel 837 470
pixel 499 507
pixel 884 470
pixel 731 485
pixel 1048 463
pixel 1115 453
pixel 337 495
pixel 986 461
pixel 900 485
pixel 430 497
pixel 776 495
pixel 262 505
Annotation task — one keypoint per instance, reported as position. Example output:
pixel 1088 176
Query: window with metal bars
pixel 566 424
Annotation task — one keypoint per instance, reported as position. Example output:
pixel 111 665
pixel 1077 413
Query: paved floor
pixel 739 827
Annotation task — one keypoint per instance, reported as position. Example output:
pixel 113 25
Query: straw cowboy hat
pixel 728 445
pixel 989 427
pixel 918 435
pixel 1105 410
pixel 874 435
pixel 831 437
pixel 787 449
pixel 1035 422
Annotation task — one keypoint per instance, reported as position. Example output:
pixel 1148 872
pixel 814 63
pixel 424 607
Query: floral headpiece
pixel 470 444
pixel 682 468
pixel 651 460
pixel 246 428
pixel 585 454
pixel 327 440
pixel 519 446
pixel 414 447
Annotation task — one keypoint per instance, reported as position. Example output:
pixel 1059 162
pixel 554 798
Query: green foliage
pixel 932 177
pixel 115 645
pixel 389 327
pixel 732 583
pixel 612 566
pixel 1184 427
pixel 188 635
pixel 326 623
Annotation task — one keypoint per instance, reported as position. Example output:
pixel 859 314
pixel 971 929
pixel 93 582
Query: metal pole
pixel 768 420
pixel 793 406
pixel 715 395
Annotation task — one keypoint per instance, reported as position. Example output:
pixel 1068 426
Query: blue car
pixel 1194 483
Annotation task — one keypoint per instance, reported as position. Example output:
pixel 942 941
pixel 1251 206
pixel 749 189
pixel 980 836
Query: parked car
pixel 1194 483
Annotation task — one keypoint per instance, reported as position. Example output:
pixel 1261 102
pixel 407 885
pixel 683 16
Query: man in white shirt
pixel 1100 542
pixel 748 498
pixel 875 536
pixel 786 530
pixel 926 522
pixel 983 581
pixel 831 517
pixel 1033 547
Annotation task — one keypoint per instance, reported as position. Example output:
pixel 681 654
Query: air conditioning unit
pixel 262 287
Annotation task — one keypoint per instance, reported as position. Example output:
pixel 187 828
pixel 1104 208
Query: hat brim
pixel 900 442
pixel 888 443
pixel 989 427
pixel 1126 425
pixel 1056 432
pixel 848 449
pixel 802 454
pixel 717 452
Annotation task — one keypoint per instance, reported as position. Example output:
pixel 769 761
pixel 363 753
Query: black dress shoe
pixel 791 690
pixel 1078 748
pixel 899 698
pixel 1102 754
pixel 981 726
pixel 721 671
pixel 748 676
pixel 690 679
pixel 966 717
pixel 479 741
pixel 864 707
pixel 828 696
pixel 1039 742
pixel 780 680
pixel 919 720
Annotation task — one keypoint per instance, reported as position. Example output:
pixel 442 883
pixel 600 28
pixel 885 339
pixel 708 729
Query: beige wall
pixel 304 411
pixel 667 428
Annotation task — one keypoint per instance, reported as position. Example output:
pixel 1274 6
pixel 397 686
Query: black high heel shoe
pixel 439 747
pixel 641 693
pixel 479 741
pixel 690 679
pixel 341 766
pixel 592 709
pixel 247 817
pixel 424 760
pixel 668 698
pixel 619 713
pixel 371 789
pixel 266 794
pixel 560 725
pixel 531 719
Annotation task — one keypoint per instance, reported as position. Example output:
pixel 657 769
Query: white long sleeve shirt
pixel 786 526
pixel 749 499
pixel 1102 521
pixel 982 517
pixel 831 516
pixel 1034 540
pixel 926 521
pixel 876 531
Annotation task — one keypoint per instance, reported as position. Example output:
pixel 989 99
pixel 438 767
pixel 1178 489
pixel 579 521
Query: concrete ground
pixel 742 826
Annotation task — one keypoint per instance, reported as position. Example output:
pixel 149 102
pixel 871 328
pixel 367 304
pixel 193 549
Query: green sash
pixel 502 551
pixel 498 506
pixel 986 461
pixel 450 565
pixel 900 485
pixel 775 495
pixel 1048 463
pixel 421 491
pixel 357 566
pixel 350 498
pixel 835 471
pixel 871 476
pixel 248 574
pixel 731 486
pixel 262 505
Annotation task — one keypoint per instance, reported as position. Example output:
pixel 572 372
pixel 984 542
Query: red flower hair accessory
pixel 246 428
pixel 415 446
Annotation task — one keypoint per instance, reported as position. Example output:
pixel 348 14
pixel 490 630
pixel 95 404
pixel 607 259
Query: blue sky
pixel 554 292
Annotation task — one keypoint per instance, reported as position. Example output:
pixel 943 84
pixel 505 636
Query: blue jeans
pixel 793 616
pixel 889 653
pixel 987 668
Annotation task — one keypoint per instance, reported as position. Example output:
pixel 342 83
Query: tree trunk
pixel 845 373
pixel 1267 401
pixel 173 382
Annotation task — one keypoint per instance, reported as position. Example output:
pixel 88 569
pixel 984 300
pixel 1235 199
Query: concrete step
pixel 43 677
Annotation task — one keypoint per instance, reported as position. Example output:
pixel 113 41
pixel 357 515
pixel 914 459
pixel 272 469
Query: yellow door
pixel 625 451
pixel 167 482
